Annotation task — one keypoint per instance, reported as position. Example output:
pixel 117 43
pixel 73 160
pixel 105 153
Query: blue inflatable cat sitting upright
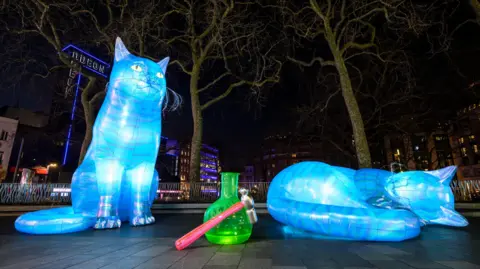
pixel 117 180
pixel 365 204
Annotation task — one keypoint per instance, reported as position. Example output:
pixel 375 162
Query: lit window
pixel 464 152
pixel 294 155
pixel 471 137
pixel 461 140
pixel 396 155
pixel 475 148
pixel 273 165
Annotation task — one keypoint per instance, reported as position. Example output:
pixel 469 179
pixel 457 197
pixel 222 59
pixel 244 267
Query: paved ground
pixel 269 247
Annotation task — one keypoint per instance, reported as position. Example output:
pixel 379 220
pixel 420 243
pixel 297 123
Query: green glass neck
pixel 229 184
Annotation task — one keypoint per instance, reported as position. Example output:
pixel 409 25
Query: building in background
pixel 168 160
pixel 248 175
pixel 465 141
pixel 282 150
pixel 421 151
pixel 8 129
pixel 452 143
pixel 209 163
pixel 27 117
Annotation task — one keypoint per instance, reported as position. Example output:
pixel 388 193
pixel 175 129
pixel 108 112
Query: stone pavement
pixel 269 247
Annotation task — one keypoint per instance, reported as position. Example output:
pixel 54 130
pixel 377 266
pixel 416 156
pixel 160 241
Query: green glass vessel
pixel 235 229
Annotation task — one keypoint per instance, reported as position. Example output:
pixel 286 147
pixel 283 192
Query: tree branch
pixel 177 62
pixel 223 95
pixel 312 62
pixel 214 82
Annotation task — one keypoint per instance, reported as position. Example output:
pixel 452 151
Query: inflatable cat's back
pixel 341 202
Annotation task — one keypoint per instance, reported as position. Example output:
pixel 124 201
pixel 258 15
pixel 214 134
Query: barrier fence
pixel 51 194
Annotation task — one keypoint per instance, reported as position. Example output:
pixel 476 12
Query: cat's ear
pixel 451 217
pixel 120 50
pixel 164 64
pixel 444 175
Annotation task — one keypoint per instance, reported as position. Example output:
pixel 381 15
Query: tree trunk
pixel 86 142
pixel 196 145
pixel 89 119
pixel 476 7
pixel 360 138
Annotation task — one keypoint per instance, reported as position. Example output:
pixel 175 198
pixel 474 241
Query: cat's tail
pixel 54 221
pixel 366 224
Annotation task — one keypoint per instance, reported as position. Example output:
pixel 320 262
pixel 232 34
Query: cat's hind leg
pixel 140 179
pixel 109 177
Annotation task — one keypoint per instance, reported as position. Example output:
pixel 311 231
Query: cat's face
pixel 427 194
pixel 138 77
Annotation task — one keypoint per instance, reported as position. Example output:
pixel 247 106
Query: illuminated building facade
pixel 420 151
pixel 209 163
pixel 466 139
pixel 453 143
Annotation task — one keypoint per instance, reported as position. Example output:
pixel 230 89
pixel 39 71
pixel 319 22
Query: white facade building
pixel 8 129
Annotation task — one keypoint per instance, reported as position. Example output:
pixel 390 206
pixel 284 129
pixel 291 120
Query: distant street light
pixel 48 170
pixel 52 165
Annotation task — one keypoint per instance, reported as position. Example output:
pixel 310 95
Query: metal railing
pixel 34 194
pixel 466 190
pixel 52 194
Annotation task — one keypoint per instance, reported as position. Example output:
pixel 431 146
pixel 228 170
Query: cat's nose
pixel 150 79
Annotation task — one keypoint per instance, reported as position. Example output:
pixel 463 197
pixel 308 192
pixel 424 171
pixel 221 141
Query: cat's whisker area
pixel 176 102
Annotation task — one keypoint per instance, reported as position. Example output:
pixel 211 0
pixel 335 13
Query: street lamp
pixel 52 165
pixel 48 170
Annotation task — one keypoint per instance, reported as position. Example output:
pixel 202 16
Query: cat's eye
pixel 159 75
pixel 136 67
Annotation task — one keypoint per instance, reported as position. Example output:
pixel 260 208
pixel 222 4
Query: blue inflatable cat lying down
pixel 365 204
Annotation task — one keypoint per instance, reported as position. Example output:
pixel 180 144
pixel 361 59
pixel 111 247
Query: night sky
pixel 237 126
pixel 238 123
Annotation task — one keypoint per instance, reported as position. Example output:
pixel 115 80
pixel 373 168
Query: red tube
pixel 196 233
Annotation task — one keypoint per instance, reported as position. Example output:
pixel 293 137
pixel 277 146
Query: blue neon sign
pixel 87 60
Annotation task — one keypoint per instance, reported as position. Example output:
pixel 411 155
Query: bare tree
pixel 386 92
pixel 228 46
pixel 220 45
pixel 349 30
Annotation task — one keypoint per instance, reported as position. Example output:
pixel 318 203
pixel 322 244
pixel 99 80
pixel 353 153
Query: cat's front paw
pixel 143 219
pixel 108 223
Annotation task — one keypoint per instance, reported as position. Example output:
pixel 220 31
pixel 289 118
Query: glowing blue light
pixel 209 155
pixel 208 177
pixel 209 191
pixel 117 180
pixel 209 170
pixel 367 204
pixel 210 148
pixel 72 116
pixel 208 162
